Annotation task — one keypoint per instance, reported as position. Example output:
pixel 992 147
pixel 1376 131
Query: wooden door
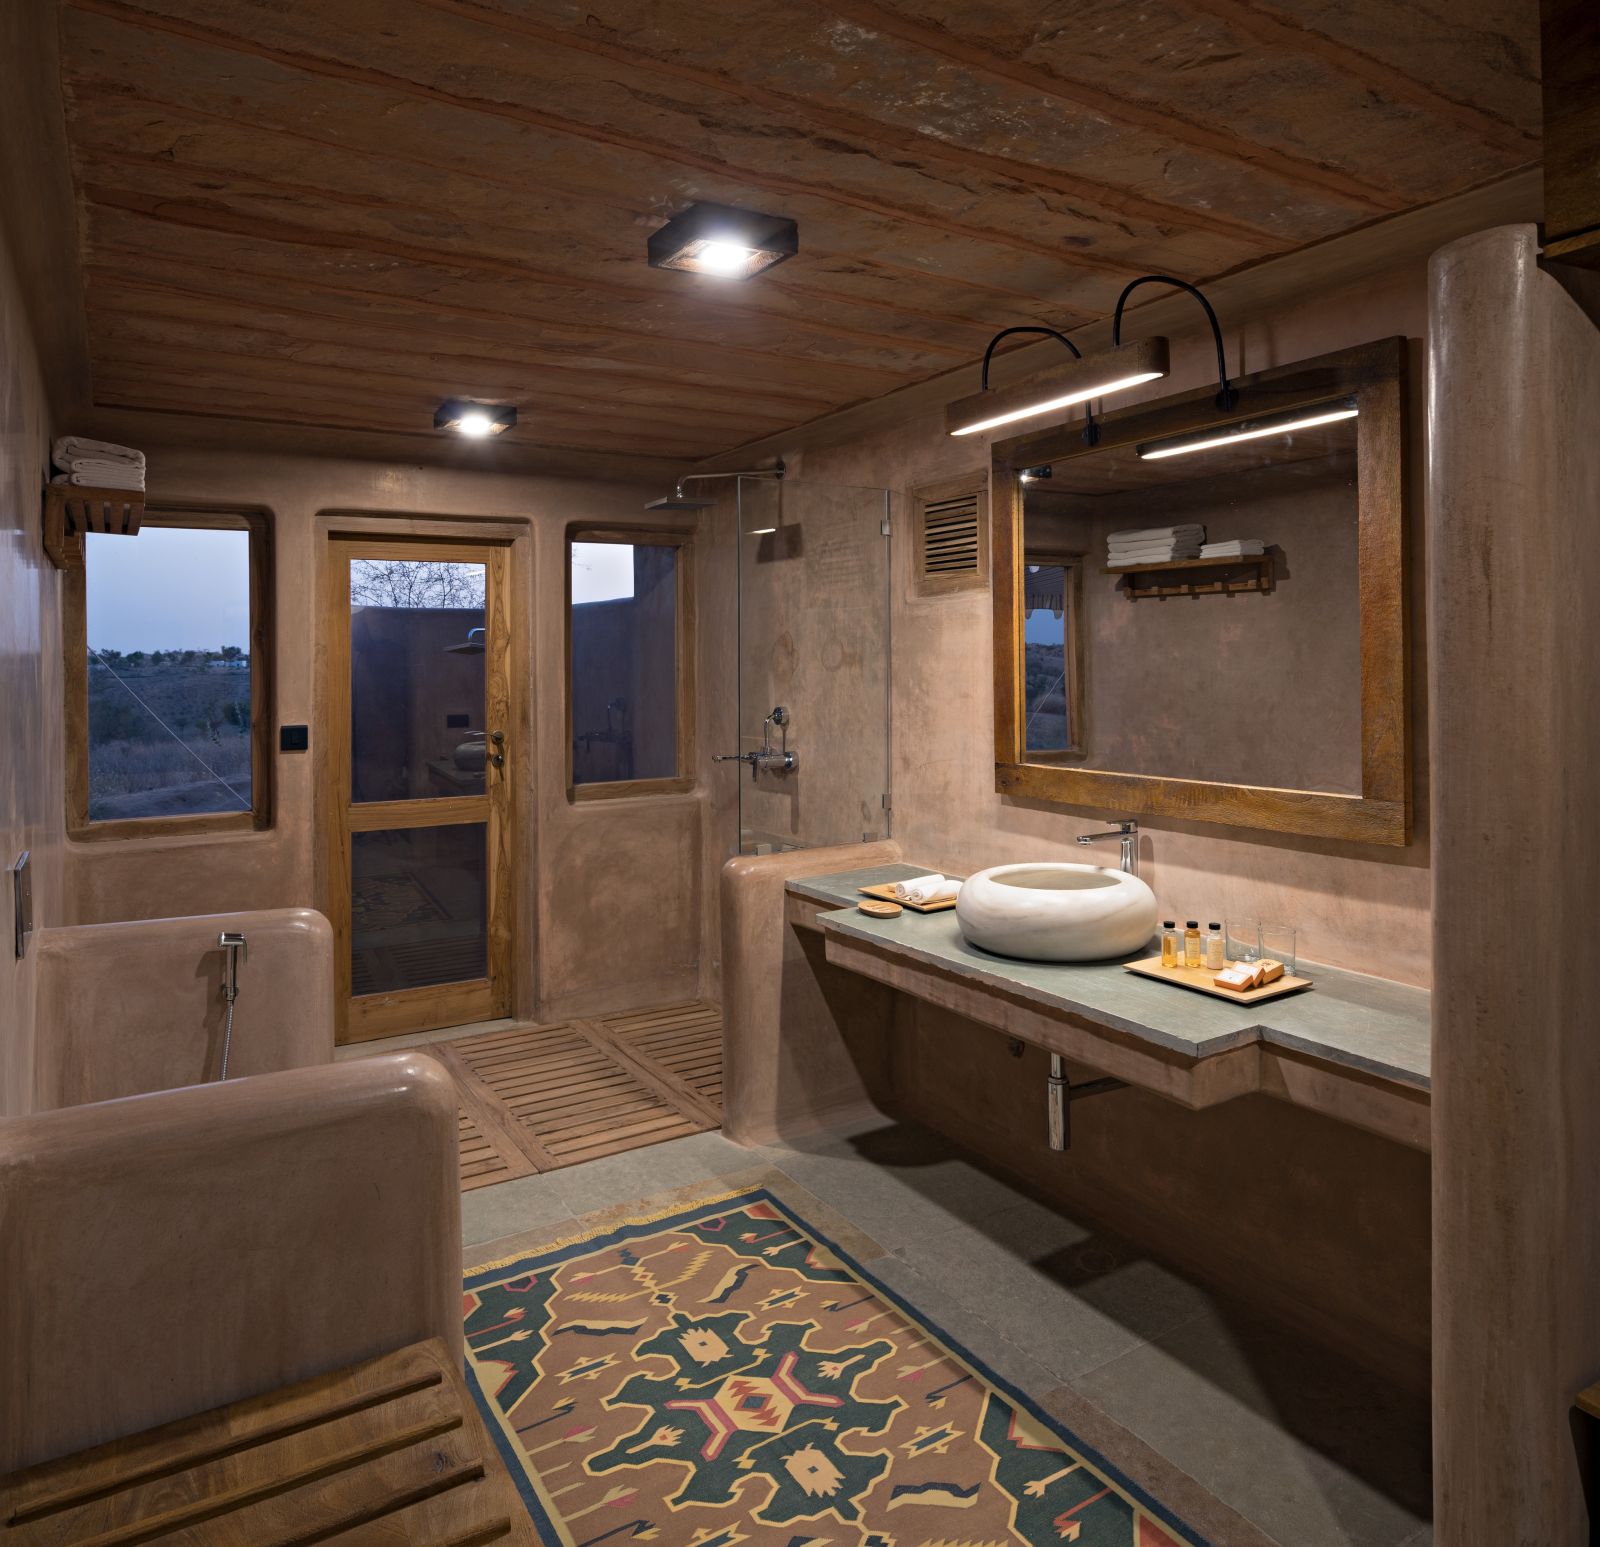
pixel 418 833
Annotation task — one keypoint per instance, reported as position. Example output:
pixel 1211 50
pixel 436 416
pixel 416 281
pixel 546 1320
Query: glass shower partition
pixel 814 643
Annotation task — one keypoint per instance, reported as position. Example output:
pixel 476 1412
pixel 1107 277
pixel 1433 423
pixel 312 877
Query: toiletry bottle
pixel 1191 943
pixel 1171 950
pixel 1215 961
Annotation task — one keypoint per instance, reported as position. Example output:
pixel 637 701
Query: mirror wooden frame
pixel 1374 375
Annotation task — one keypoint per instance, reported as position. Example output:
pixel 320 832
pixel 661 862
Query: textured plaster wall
pixel 578 870
pixel 31 780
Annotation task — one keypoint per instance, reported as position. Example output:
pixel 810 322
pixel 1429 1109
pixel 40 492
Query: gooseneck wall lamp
pixel 1088 376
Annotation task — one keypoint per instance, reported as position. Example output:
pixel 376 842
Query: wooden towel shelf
pixel 70 511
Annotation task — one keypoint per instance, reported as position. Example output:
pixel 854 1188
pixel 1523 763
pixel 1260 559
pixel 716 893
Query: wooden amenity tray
pixel 886 893
pixel 391 1451
pixel 1199 979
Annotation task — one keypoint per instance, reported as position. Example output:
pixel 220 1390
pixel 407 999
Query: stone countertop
pixel 1348 1018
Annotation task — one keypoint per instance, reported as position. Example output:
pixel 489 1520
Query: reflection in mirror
pixel 1234 670
pixel 1052 596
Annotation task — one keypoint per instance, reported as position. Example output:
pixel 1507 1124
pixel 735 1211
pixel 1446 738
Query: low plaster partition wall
pixel 135 1007
pixel 1513 491
pixel 172 1253
pixel 804 1043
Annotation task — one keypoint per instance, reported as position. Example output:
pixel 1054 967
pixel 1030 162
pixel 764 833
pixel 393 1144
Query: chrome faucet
pixel 768 756
pixel 1128 832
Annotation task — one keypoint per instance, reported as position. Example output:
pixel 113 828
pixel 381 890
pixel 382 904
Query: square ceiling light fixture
pixel 477 421
pixel 720 240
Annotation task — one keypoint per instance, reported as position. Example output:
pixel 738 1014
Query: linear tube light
pixel 1097 375
pixel 1246 429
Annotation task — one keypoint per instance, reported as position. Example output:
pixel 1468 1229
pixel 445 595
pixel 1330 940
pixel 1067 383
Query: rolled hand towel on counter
pixel 943 891
pixel 903 889
pixel 1241 548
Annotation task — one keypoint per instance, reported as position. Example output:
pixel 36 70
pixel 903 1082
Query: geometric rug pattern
pixel 725 1376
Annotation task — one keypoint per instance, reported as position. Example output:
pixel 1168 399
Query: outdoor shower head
pixel 472 645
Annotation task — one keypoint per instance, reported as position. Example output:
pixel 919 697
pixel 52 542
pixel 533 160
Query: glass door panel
pixel 814 642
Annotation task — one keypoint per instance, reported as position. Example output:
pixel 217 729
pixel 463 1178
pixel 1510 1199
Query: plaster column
pixel 1513 513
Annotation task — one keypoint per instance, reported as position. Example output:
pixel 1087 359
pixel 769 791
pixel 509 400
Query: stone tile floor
pixel 1288 1442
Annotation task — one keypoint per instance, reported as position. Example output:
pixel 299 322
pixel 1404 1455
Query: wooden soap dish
pixel 1199 979
pixel 886 894
pixel 874 909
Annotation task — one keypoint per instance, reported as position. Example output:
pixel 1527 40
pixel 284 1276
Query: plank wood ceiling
pixel 335 213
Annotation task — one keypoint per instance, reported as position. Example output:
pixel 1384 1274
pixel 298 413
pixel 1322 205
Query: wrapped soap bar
pixel 1270 970
pixel 1239 977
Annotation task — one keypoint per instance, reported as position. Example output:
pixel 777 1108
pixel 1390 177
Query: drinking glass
pixel 1241 940
pixel 1277 944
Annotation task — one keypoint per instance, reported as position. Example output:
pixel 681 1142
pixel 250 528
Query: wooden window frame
pixel 644 536
pixel 75 649
pixel 1072 600
pixel 975 483
pixel 1374 375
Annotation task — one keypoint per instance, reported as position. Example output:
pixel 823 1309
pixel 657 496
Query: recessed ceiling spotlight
pixel 477 421
pixel 721 240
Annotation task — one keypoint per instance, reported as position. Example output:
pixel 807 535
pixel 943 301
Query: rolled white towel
pixel 944 891
pixel 1150 534
pixel 903 889
pixel 77 448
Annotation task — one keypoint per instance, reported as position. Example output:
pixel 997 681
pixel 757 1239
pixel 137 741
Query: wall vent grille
pixel 950 530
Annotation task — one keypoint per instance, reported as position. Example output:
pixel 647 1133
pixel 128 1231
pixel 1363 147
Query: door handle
pixel 497 739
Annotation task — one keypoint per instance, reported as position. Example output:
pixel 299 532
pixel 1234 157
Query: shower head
pixel 472 645
pixel 680 501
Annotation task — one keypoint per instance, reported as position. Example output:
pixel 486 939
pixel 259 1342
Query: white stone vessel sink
pixel 1056 912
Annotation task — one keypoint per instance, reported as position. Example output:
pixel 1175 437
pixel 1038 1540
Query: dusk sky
pixel 169 588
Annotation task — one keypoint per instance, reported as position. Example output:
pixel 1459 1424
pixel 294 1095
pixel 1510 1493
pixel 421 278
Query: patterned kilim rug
pixel 725 1375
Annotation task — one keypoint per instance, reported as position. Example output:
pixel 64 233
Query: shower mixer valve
pixel 778 758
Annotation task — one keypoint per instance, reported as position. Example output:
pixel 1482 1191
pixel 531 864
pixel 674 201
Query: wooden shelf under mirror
pixel 1227 577
pixel 1317 457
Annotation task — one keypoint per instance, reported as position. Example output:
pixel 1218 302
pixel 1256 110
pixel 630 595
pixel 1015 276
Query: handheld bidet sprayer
pixel 233 943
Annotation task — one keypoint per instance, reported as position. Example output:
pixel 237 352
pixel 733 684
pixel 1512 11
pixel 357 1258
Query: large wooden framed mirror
pixel 1266 691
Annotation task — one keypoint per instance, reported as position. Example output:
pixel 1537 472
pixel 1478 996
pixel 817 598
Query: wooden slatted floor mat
pixel 536 1098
